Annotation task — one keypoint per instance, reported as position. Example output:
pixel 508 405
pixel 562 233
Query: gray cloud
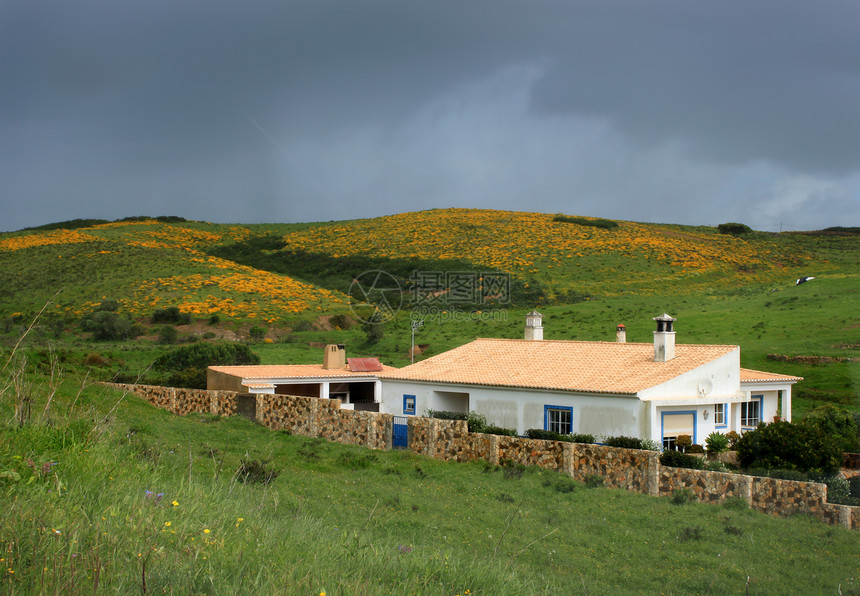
pixel 110 109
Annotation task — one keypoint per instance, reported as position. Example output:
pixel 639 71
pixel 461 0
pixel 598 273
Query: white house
pixel 656 390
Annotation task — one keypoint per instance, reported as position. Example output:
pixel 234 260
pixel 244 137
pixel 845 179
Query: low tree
pixel 787 446
pixel 734 228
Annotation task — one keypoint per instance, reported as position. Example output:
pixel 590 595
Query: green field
pixel 104 493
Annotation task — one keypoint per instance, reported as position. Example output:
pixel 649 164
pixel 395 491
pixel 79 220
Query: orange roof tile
pixel 749 375
pixel 595 367
pixel 292 371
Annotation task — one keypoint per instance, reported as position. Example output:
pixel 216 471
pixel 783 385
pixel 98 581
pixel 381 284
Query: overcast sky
pixel 666 111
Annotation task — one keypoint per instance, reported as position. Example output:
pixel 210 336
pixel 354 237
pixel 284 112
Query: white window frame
pixel 720 415
pixel 554 419
pixel 751 419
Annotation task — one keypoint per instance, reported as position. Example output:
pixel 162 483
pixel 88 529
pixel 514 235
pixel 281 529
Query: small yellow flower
pixel 167 524
pixel 206 531
pixel 175 503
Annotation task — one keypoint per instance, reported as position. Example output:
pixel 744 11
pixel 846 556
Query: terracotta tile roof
pixel 749 375
pixel 596 367
pixel 292 371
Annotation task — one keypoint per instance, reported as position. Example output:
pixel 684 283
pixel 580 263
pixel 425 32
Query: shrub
pixel 546 435
pixel 492 429
pixel 716 466
pixel 734 228
pixel 593 480
pixel 107 325
pixel 477 422
pixel 342 322
pixel 717 443
pixel 188 364
pixel 171 315
pixel 683 442
pixel 651 445
pixel 695 448
pixel 374 332
pixel 623 442
pixel 214 319
pixel 256 471
pixel 303 325
pixel 835 421
pixel 733 437
pixel 256 333
pixel 682 495
pixel 167 335
pixel 447 415
pixel 790 446
pixel 677 459
pixel 854 486
pixel 578 438
pixel 605 224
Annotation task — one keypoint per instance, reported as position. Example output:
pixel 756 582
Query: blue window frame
pixel 409 404
pixel 669 440
pixel 720 415
pixel 558 419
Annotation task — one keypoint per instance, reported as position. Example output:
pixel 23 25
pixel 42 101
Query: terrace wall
pixel 630 469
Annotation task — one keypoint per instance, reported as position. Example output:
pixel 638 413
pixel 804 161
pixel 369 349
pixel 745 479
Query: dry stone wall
pixel 630 469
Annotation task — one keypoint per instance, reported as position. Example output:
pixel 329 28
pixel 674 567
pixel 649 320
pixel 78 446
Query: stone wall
pixel 630 469
pixel 708 487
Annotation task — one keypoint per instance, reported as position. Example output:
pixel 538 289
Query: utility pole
pixel 416 324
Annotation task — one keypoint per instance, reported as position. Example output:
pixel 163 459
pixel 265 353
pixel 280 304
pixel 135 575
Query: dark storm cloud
pixel 243 111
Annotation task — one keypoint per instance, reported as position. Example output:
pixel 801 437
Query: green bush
pixel 492 429
pixel 854 486
pixel 623 442
pixel 806 448
pixel 682 495
pixel 171 315
pixel 676 459
pixel 167 335
pixel 188 364
pixel 447 415
pixel 257 333
pixel 106 325
pixel 477 422
pixel 546 435
pixel 683 442
pixel 835 421
pixel 733 228
pixel 733 437
pixel 695 448
pixel 717 443
pixel 605 224
pixel 579 438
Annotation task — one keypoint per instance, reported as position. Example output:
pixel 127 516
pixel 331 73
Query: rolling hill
pixel 585 274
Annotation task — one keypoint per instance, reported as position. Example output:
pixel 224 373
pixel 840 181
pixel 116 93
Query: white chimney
pixel 664 338
pixel 534 326
pixel 621 333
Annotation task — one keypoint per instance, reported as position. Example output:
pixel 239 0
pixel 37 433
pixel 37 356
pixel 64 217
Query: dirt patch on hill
pixel 809 359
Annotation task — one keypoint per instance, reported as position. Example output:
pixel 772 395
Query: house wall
pixel 220 381
pixel 630 469
pixel 521 409
pixel 722 373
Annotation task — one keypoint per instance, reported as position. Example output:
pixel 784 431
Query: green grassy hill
pixel 586 275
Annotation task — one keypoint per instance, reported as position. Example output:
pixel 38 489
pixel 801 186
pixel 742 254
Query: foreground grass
pixel 346 520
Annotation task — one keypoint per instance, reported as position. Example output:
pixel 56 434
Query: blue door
pixel 400 433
